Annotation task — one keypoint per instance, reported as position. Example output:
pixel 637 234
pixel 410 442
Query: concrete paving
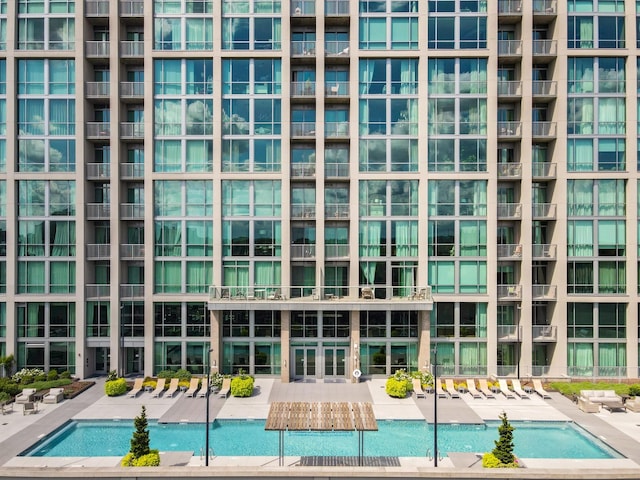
pixel 18 432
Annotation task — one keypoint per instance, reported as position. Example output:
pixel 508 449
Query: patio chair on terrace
pixel 539 389
pixel 193 388
pixel 173 387
pixel 137 388
pixel 517 388
pixel 484 388
pixel 504 388
pixel 439 390
pixel 471 386
pixel 225 389
pixel 26 396
pixel 451 388
pixel 417 388
pixel 159 388
pixel 203 390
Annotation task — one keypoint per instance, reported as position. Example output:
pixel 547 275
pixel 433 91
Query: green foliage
pixel 399 384
pixel 242 386
pixel 140 439
pixel 489 460
pixel 127 460
pixel 66 375
pixel 40 378
pixel 9 386
pixel 30 373
pixel 4 397
pixel 112 375
pixel 426 378
pixel 634 390
pixel 165 374
pixel 52 375
pixel 152 459
pixel 216 379
pixel 573 388
pixel 48 384
pixel 183 375
pixel 27 380
pixel 504 445
pixel 116 387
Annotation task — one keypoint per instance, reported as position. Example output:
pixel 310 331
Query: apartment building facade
pixel 308 189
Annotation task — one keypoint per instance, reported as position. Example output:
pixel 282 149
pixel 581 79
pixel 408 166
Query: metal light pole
pixel 206 444
pixel 435 407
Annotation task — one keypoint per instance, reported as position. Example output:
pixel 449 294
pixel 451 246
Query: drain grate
pixel 317 461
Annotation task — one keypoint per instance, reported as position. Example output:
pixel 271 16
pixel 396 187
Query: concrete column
pixel 285 351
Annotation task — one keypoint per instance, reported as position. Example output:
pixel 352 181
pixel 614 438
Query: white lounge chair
pixel 225 389
pixel 193 388
pixel 137 388
pixel 539 389
pixel 173 387
pixel 159 388
pixel 518 390
pixel 439 390
pixel 504 388
pixel 203 390
pixel 451 389
pixel 26 396
pixel 484 388
pixel 55 395
pixel 471 387
pixel 417 388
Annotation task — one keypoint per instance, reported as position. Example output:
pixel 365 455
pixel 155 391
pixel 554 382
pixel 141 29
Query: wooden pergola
pixel 321 416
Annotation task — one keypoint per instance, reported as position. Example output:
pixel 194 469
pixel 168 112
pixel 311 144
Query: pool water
pixel 398 438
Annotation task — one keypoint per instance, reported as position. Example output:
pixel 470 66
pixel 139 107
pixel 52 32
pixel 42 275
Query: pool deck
pixel 621 430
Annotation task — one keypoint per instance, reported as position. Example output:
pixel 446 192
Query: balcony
pixel 303 48
pixel 510 7
pixel 510 171
pixel 510 293
pixel 378 298
pixel 96 49
pixel 336 210
pixel 303 89
pixel 96 8
pixel 336 90
pixel 543 171
pixel 543 130
pixel 133 251
pixel 131 49
pixel 544 89
pixel 544 292
pixel 545 48
pixel 509 90
pixel 543 211
pixel 303 129
pixel 98 130
pixel 336 48
pixel 544 7
pixel 132 211
pixel 544 333
pixel 509 129
pixel 509 48
pixel 509 333
pixel 99 90
pixel 544 251
pixel 303 211
pixel 98 171
pixel 132 8
pixel 98 211
pixel 303 170
pixel 303 251
pixel 131 291
pixel 303 8
pixel 509 211
pixel 132 130
pixel 133 90
pixel 98 251
pixel 98 292
pixel 132 171
pixel 336 170
pixel 336 8
pixel 510 252
pixel 336 251
pixel 336 130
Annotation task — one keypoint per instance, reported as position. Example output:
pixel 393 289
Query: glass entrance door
pixel 304 361
pixel 102 360
pixel 335 362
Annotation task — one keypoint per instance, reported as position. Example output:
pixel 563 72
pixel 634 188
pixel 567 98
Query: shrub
pixel 140 439
pixel 399 384
pixel 504 445
pixel 426 378
pixel 489 460
pixel 52 375
pixel 216 380
pixel 27 372
pixel 42 377
pixel 152 459
pixel 4 397
pixel 242 386
pixel 634 390
pixel 66 374
pixel 48 384
pixel 111 376
pixel 27 379
pixel 115 388
pixel 9 386
pixel 183 375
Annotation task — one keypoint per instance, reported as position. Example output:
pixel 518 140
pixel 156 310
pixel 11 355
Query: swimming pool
pixel 398 438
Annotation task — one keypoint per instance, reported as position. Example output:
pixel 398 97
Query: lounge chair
pixel 451 389
pixel 225 389
pixel 471 386
pixel 26 395
pixel 203 390
pixel 159 388
pixel 417 388
pixel 537 386
pixel 173 387
pixel 55 395
pixel 633 404
pixel 484 388
pixel 193 388
pixel 504 388
pixel 439 391
pixel 29 407
pixel 137 388
pixel 518 390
